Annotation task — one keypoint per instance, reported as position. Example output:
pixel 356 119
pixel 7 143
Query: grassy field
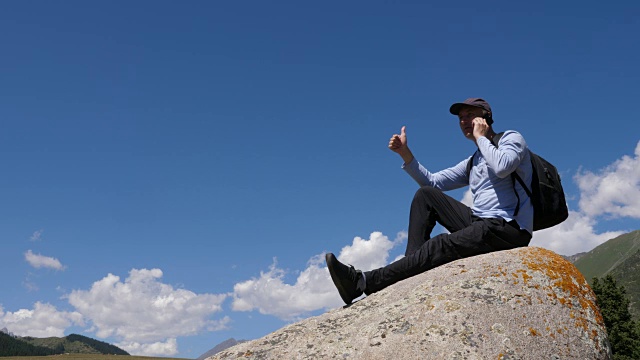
pixel 86 357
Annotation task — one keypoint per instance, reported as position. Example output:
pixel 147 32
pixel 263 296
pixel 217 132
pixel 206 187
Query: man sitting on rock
pixel 501 217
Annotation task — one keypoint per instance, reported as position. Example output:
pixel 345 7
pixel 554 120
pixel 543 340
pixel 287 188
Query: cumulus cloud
pixel 144 313
pixel 313 288
pixel 612 191
pixel 40 261
pixel 270 295
pixel 160 348
pixel 44 320
pixel 574 235
pixel 370 254
pixel 36 236
pixel 467 198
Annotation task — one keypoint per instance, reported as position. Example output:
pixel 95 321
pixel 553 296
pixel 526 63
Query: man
pixel 501 217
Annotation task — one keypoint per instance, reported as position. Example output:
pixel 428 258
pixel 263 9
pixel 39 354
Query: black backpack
pixel 546 194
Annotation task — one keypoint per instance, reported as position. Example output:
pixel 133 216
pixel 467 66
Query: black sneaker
pixel 347 279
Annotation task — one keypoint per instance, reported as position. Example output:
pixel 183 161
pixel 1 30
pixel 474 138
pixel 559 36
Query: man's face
pixel 466 116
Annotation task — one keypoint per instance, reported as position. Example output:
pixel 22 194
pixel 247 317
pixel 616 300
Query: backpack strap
pixel 470 164
pixel 526 189
pixel 496 138
pixel 514 176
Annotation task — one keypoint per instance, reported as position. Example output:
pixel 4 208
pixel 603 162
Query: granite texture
pixel 527 303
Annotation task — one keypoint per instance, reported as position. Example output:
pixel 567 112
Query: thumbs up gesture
pixel 398 144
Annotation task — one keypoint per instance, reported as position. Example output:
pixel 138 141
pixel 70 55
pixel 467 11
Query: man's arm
pixel 447 179
pixel 507 157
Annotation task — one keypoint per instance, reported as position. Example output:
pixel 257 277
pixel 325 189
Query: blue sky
pixel 172 172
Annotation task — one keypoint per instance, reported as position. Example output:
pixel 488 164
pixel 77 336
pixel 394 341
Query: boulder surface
pixel 526 303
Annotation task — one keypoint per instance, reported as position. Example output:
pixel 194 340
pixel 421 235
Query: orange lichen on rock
pixel 501 272
pixel 566 278
pixel 563 301
pixel 523 273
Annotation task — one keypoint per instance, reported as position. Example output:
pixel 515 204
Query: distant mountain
pixel 11 345
pixel 222 346
pixel 575 257
pixel 619 257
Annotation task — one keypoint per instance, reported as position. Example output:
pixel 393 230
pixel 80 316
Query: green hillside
pixel 87 357
pixel 628 274
pixel 607 256
pixel 619 257
pixel 11 346
pixel 72 344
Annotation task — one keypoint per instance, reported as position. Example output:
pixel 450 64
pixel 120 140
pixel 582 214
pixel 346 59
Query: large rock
pixel 527 303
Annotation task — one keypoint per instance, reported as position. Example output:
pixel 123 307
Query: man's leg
pixel 480 237
pixel 469 236
pixel 429 206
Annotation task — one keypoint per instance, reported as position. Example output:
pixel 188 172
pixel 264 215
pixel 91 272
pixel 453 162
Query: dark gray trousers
pixel 469 236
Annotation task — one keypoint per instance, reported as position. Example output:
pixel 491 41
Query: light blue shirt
pixel 490 181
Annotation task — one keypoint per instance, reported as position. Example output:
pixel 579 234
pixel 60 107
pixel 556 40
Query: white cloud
pixel 574 235
pixel 313 289
pixel 166 348
pixel 614 190
pixel 145 313
pixel 30 285
pixel 269 294
pixel 370 254
pixel 36 236
pixel 40 261
pixel 43 321
pixel 467 198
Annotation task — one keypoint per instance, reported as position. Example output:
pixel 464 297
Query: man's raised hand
pixel 398 144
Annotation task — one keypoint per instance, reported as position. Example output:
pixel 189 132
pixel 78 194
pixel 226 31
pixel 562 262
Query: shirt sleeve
pixel 448 179
pixel 504 159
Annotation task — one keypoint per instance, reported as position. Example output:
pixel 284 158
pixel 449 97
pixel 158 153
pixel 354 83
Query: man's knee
pixel 427 192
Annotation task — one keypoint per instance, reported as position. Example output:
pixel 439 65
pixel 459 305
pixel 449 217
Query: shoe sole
pixel 329 258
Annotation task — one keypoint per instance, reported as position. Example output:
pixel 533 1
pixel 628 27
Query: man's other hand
pixel 480 128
